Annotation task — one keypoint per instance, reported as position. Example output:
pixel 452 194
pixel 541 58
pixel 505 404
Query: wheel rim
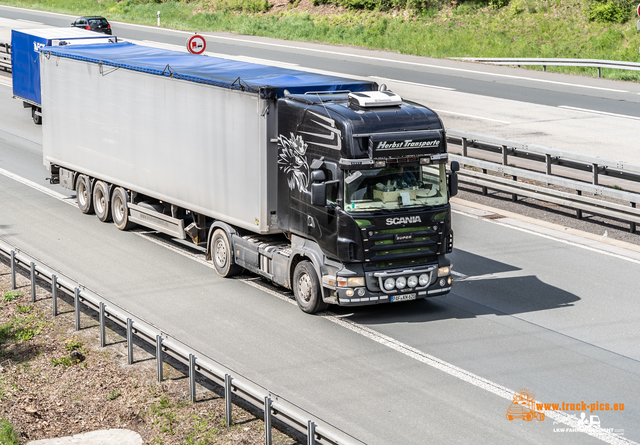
pixel 82 194
pixel 100 201
pixel 221 254
pixel 118 209
pixel 305 287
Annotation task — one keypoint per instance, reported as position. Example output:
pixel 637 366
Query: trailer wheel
pixel 221 255
pixel 306 288
pixel 37 119
pixel 120 209
pixel 101 201
pixel 83 195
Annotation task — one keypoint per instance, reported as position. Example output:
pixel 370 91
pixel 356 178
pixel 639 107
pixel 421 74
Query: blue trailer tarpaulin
pixel 25 47
pixel 269 81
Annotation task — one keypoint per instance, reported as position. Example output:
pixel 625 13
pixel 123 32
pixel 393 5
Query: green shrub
pixel 10 296
pixel 497 4
pixel 609 12
pixel 8 435
pixel 251 6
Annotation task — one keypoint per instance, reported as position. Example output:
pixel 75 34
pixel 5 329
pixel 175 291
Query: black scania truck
pixel 332 187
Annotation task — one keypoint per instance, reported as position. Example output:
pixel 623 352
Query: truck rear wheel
pixel 83 194
pixel 101 201
pixel 120 209
pixel 37 119
pixel 221 255
pixel 306 288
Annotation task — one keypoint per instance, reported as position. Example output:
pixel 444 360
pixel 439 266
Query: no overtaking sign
pixel 196 44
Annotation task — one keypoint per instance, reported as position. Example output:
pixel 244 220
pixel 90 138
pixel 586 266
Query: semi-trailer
pixel 25 61
pixel 335 188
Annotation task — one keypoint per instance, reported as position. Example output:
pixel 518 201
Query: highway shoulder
pixel 547 229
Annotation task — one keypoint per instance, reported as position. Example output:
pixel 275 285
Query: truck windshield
pixel 395 187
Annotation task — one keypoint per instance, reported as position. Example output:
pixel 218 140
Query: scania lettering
pixel 396 221
pixel 272 171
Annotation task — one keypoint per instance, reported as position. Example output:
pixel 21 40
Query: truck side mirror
pixel 318 188
pixel 453 184
pixel 317 176
pixel 455 166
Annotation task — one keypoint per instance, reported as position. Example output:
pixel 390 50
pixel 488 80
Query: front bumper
pixel 363 297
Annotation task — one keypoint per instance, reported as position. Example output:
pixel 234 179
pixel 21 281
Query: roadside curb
pixel 102 437
pixel 544 228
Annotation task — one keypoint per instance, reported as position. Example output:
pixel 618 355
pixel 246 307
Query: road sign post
pixel 196 44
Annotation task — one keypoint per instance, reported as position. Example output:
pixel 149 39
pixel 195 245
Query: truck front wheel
pixel 306 288
pixel 221 255
pixel 120 210
pixel 101 201
pixel 83 195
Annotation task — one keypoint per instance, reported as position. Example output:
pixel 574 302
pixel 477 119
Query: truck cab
pixel 362 177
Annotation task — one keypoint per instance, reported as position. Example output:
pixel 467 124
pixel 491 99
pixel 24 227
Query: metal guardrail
pixel 545 158
pixel 5 56
pixel 272 405
pixel 592 63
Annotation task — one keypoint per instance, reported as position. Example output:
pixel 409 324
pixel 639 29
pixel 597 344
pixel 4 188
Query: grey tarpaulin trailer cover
pixel 196 131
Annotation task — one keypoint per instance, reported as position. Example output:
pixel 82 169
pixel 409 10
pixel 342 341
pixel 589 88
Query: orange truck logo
pixel 523 406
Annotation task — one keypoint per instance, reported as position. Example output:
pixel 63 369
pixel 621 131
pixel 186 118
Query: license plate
pixel 404 297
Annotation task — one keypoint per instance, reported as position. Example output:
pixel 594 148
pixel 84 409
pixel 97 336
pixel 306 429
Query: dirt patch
pixel 55 381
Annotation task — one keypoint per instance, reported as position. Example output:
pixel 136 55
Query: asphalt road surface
pixel 531 308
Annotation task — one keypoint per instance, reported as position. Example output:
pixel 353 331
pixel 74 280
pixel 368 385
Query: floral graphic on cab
pixel 293 162
pixel 523 406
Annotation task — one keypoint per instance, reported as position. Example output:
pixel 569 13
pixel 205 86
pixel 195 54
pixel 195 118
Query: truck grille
pixel 400 246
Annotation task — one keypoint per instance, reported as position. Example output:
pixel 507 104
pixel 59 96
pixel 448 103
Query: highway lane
pixel 560 111
pixel 534 312
pixel 379 394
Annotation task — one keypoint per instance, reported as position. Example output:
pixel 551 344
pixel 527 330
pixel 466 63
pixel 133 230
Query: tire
pixel 541 417
pixel 36 119
pixel 101 204
pixel 306 288
pixel 120 209
pixel 528 417
pixel 221 255
pixel 83 195
pixel 509 417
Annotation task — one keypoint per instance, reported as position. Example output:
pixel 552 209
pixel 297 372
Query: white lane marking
pixel 404 62
pixel 450 369
pixel 29 21
pixel 40 188
pixel 218 55
pixel 72 201
pixel 6 82
pixel 471 116
pixel 418 84
pixel 380 59
pixel 409 351
pixel 458 274
pixel 604 113
pixel 542 235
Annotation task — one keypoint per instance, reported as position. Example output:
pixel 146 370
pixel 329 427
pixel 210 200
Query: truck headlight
pixel 423 279
pixel 412 281
pixel 444 271
pixel 401 282
pixel 389 283
pixel 351 281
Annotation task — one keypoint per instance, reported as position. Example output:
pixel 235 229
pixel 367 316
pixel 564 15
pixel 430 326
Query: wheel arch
pixel 305 255
pixel 229 230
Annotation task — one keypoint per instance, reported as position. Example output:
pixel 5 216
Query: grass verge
pixel 523 28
